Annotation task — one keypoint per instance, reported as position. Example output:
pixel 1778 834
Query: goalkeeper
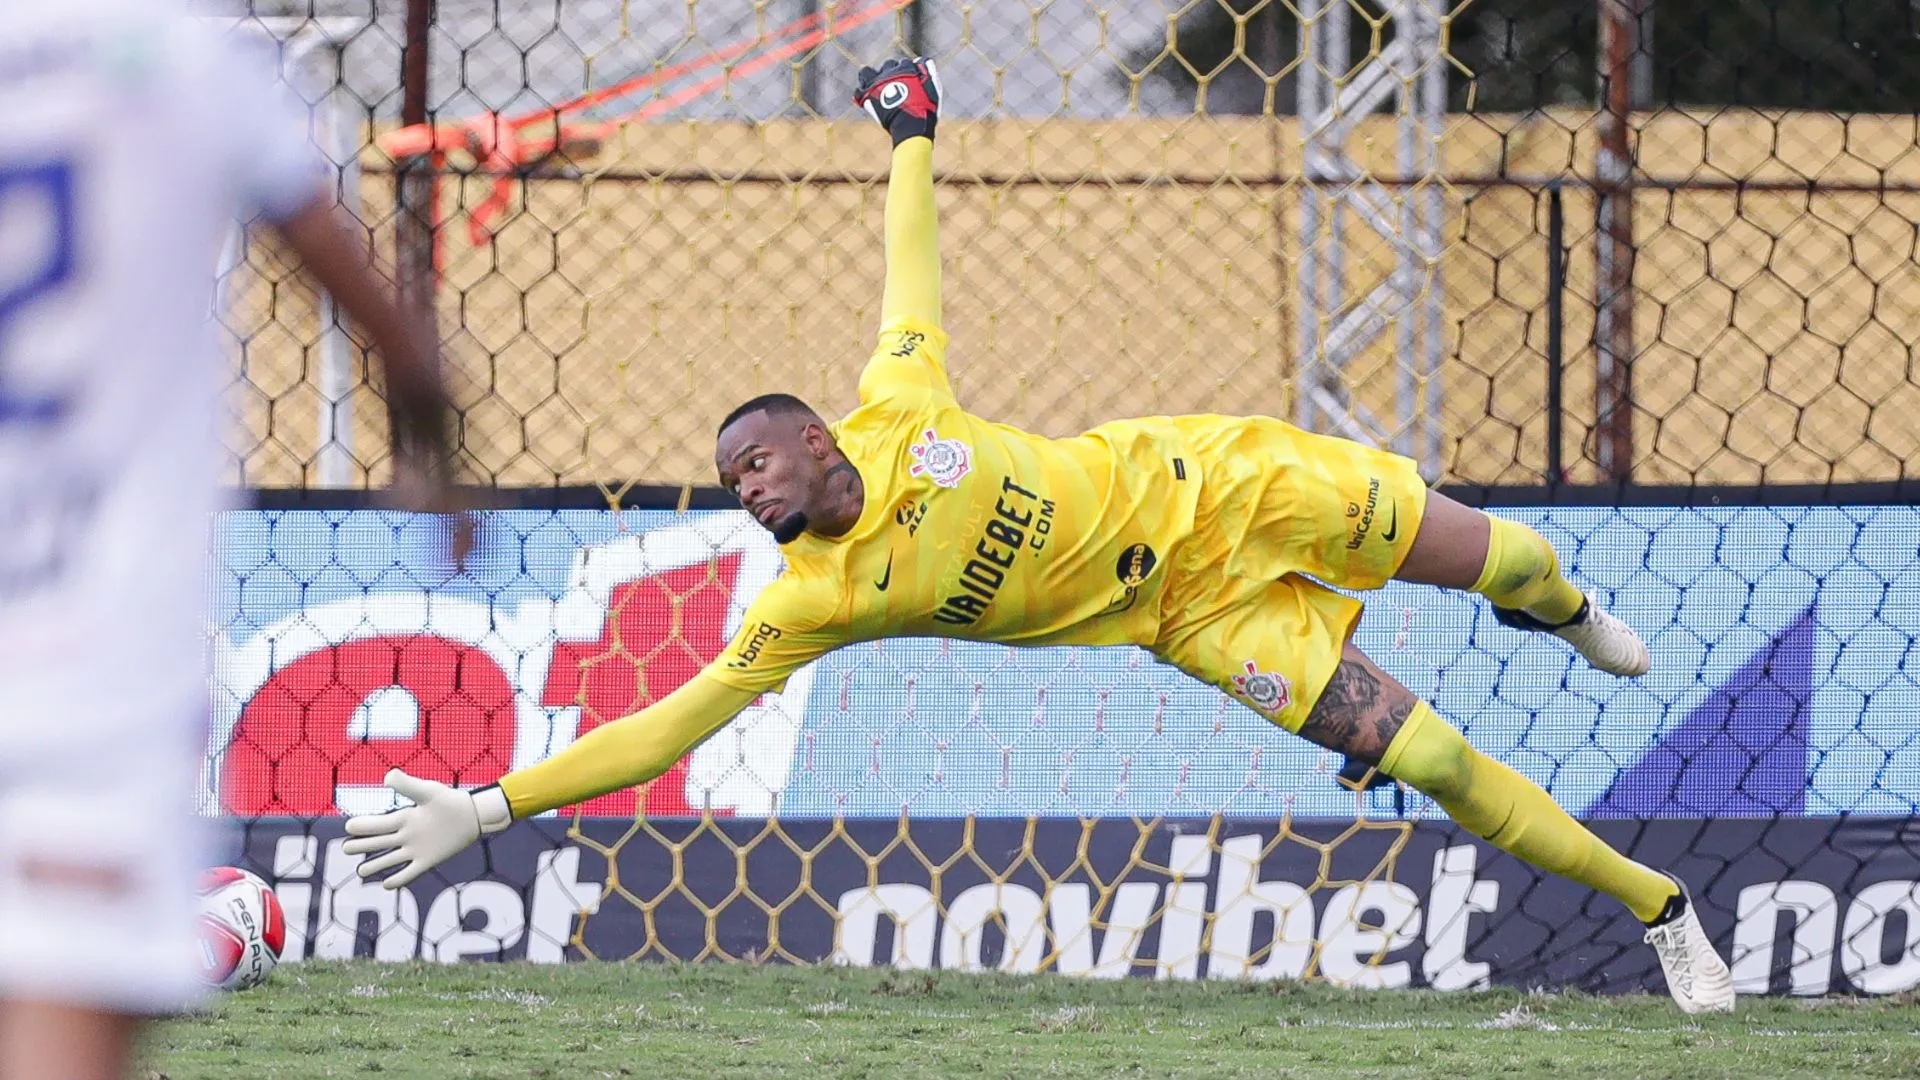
pixel 1199 537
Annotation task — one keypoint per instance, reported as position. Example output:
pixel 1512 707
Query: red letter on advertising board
pixel 660 631
pixel 292 747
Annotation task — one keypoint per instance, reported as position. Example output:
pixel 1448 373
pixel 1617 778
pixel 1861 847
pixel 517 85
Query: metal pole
pixel 1409 264
pixel 808 85
pixel 1421 72
pixel 301 38
pixel 1613 246
pixel 1556 324
pixel 1336 50
pixel 414 187
pixel 1310 307
pixel 1321 285
pixel 1433 113
pixel 335 464
pixel 916 18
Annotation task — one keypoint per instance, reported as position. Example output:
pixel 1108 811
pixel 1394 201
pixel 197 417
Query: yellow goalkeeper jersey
pixel 970 529
pixel 973 529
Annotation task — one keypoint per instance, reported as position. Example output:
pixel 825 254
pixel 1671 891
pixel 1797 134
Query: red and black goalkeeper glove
pixel 904 95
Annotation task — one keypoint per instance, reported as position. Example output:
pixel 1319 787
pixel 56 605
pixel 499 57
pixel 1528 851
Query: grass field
pixel 618 1020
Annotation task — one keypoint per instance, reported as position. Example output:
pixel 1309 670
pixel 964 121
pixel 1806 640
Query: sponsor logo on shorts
pixel 1135 564
pixel 1267 691
pixel 1362 514
pixel 750 652
pixel 945 461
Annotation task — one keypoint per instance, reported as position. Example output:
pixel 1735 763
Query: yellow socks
pixel 1523 574
pixel 1513 814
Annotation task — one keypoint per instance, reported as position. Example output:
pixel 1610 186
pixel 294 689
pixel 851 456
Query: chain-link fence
pixel 1526 244
pixel 1137 222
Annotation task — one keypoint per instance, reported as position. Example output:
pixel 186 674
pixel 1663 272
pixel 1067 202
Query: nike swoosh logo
pixel 1393 525
pixel 886 578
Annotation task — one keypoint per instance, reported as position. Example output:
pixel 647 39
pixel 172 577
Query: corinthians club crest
pixel 946 461
pixel 1264 690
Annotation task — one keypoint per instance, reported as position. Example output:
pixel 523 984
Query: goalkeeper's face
pixel 776 464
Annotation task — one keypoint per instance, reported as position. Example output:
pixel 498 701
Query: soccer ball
pixel 242 929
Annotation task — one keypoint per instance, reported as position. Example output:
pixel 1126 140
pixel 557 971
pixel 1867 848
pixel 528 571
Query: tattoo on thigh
pixel 1357 714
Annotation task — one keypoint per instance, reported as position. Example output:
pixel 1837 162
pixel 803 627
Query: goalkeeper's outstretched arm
pixel 904 96
pixel 335 250
pixel 912 294
pixel 444 820
pixel 629 751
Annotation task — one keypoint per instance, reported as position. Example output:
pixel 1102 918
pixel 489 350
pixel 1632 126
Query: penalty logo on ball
pixel 1264 690
pixel 946 461
pixel 242 929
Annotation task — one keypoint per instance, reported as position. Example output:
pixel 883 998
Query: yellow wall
pixel 1115 268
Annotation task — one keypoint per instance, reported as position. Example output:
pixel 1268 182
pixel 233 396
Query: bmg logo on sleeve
pixel 748 653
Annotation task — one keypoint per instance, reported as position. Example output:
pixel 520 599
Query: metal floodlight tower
pixel 1409 74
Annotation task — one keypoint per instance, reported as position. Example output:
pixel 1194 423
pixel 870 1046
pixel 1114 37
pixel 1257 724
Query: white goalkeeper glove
pixel 439 825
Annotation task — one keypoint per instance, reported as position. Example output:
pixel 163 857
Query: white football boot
pixel 1607 643
pixel 1697 977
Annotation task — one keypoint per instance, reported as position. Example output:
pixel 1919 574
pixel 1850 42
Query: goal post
pixel 310 52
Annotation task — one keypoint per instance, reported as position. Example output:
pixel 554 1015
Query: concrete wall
pixel 1104 268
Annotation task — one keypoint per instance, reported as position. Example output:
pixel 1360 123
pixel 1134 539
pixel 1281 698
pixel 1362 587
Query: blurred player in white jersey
pixel 131 138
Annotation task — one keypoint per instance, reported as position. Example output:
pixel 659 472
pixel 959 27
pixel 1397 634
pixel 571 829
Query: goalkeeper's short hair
pixel 777 404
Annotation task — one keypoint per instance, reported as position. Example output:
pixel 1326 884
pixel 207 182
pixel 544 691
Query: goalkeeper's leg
pixel 1354 516
pixel 1367 714
pixel 1458 547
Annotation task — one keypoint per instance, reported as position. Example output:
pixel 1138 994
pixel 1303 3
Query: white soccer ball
pixel 242 929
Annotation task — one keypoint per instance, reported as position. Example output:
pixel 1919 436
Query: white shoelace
pixel 1669 941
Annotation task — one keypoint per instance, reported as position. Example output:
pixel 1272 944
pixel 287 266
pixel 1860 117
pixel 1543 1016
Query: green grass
pixel 658 1022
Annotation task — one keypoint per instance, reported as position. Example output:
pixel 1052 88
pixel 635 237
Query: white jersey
pixel 131 139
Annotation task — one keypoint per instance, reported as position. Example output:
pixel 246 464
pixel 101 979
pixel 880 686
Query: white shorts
pixel 100 855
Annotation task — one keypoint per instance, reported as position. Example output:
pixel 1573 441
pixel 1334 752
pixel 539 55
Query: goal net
pixel 1667 337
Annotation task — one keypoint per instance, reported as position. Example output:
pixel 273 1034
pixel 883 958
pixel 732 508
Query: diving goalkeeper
pixel 1198 537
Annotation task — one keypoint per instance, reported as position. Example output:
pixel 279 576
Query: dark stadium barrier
pixel 1807 906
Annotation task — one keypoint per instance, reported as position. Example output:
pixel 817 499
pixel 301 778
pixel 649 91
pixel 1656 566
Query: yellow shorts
pixel 1280 507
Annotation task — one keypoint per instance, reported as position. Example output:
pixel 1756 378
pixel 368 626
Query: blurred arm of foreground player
pixel 335 250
